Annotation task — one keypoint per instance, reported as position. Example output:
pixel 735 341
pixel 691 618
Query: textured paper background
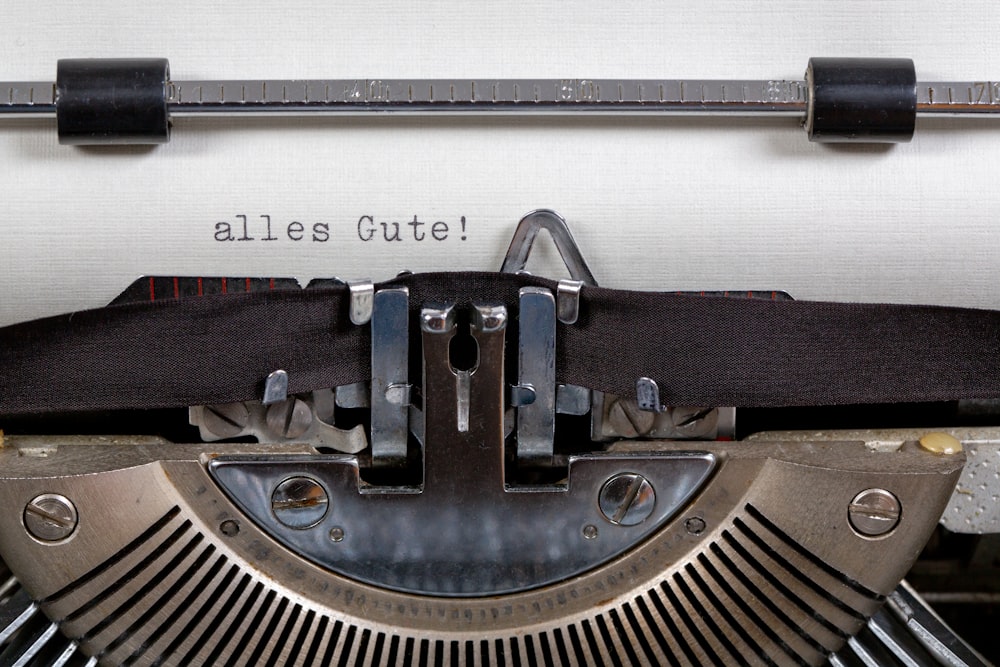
pixel 654 203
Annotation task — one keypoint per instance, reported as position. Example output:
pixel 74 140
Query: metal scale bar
pixel 840 99
pixel 290 97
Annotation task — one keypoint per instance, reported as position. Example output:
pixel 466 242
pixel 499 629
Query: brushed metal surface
pixel 156 574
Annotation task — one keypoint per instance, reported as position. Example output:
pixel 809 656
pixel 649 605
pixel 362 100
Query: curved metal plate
pixel 760 566
pixel 460 539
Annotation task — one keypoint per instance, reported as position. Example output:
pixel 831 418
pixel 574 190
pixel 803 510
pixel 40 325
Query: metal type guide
pixel 840 99
pixel 491 468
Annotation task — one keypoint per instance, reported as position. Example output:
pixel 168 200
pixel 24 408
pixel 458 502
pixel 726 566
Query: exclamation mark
pixel 463 228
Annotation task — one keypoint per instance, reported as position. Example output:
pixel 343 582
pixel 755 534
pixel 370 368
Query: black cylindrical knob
pixel 112 101
pixel 861 99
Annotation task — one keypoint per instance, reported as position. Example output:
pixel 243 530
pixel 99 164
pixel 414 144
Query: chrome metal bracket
pixel 362 300
pixel 275 387
pixel 536 405
pixel 390 388
pixel 534 395
pixel 524 238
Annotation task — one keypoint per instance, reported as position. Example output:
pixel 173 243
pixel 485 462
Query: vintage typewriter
pixel 492 468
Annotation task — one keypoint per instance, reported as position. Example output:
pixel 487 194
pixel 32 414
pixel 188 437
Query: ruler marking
pixel 742 97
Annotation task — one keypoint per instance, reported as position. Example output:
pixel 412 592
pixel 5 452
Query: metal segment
pixel 15 614
pixel 38 642
pixel 737 97
pixel 486 95
pixel 27 99
pixel 536 363
pixel 956 98
pixel 770 97
pixel 390 389
pixel 907 632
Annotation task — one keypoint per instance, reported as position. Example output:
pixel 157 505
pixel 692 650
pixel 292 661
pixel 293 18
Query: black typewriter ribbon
pixel 711 351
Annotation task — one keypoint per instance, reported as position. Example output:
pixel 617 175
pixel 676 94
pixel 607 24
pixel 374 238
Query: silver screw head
pixel 874 512
pixel 225 421
pixel 289 419
pixel 299 502
pixel 627 499
pixel 50 517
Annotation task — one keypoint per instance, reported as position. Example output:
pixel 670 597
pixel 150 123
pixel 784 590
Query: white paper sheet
pixel 654 203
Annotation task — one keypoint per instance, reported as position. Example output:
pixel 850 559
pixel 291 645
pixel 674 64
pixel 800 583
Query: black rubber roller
pixel 113 101
pixel 861 99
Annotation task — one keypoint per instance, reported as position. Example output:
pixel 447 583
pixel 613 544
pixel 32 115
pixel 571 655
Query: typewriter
pixel 509 462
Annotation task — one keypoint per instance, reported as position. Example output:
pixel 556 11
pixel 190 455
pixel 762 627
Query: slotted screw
pixel 874 512
pixel 627 499
pixel 50 517
pixel 299 502
pixel 227 420
pixel 289 419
